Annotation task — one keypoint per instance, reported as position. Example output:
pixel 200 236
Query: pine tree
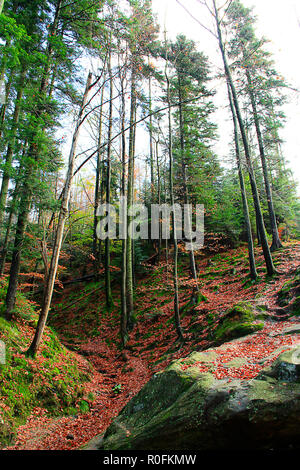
pixel 256 200
pixel 253 60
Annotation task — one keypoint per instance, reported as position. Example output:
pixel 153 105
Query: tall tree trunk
pixel 158 197
pixel 132 198
pixel 151 141
pixel 5 104
pixel 17 249
pixel 48 292
pixel 175 273
pixel 123 323
pixel 253 271
pixel 266 250
pixel 11 146
pixel 276 243
pixel 98 187
pixel 12 212
pixel 129 248
pixel 185 188
pixel 108 294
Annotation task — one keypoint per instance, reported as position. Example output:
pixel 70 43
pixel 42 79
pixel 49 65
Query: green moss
pixel 237 322
pixel 51 381
pixel 236 330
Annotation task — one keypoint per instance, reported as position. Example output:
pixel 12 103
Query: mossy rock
pixel 237 322
pixel 186 409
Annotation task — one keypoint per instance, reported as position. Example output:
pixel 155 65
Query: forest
pixel 149 273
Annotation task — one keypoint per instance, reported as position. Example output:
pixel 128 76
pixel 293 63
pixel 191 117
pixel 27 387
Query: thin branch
pixel 134 124
pixel 194 18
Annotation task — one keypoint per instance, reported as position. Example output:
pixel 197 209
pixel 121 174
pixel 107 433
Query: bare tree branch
pixel 196 19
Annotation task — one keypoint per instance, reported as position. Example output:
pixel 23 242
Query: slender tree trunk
pixel 11 145
pixel 158 197
pixel 1 6
pixel 5 243
pixel 48 292
pixel 123 325
pixel 253 271
pixel 151 141
pixel 109 299
pixel 12 212
pixel 132 198
pixel 17 250
pixel 266 250
pixel 175 274
pixel 129 247
pixel 276 243
pixel 98 195
pixel 185 188
pixel 5 104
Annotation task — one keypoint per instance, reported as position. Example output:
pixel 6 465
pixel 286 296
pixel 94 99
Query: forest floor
pixel 93 333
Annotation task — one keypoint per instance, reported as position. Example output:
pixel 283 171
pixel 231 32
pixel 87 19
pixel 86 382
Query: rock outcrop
pixel 188 407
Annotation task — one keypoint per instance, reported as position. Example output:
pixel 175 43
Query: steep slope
pixel 83 325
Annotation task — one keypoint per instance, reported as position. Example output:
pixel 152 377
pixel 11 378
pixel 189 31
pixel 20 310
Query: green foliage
pixel 255 73
pixel 52 381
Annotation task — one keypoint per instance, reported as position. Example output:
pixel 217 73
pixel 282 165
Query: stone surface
pixel 186 409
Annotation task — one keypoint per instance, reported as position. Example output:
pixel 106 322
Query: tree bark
pixel 130 188
pixel 175 272
pixel 108 294
pixel 98 187
pixel 4 105
pixel 253 271
pixel 48 292
pixel 185 184
pixel 151 141
pixel 123 323
pixel 276 243
pixel 158 196
pixel 12 211
pixel 11 145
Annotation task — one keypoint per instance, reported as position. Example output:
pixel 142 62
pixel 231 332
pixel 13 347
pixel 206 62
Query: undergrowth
pixel 53 381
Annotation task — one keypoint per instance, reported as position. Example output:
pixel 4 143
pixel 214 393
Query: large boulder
pixel 186 407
